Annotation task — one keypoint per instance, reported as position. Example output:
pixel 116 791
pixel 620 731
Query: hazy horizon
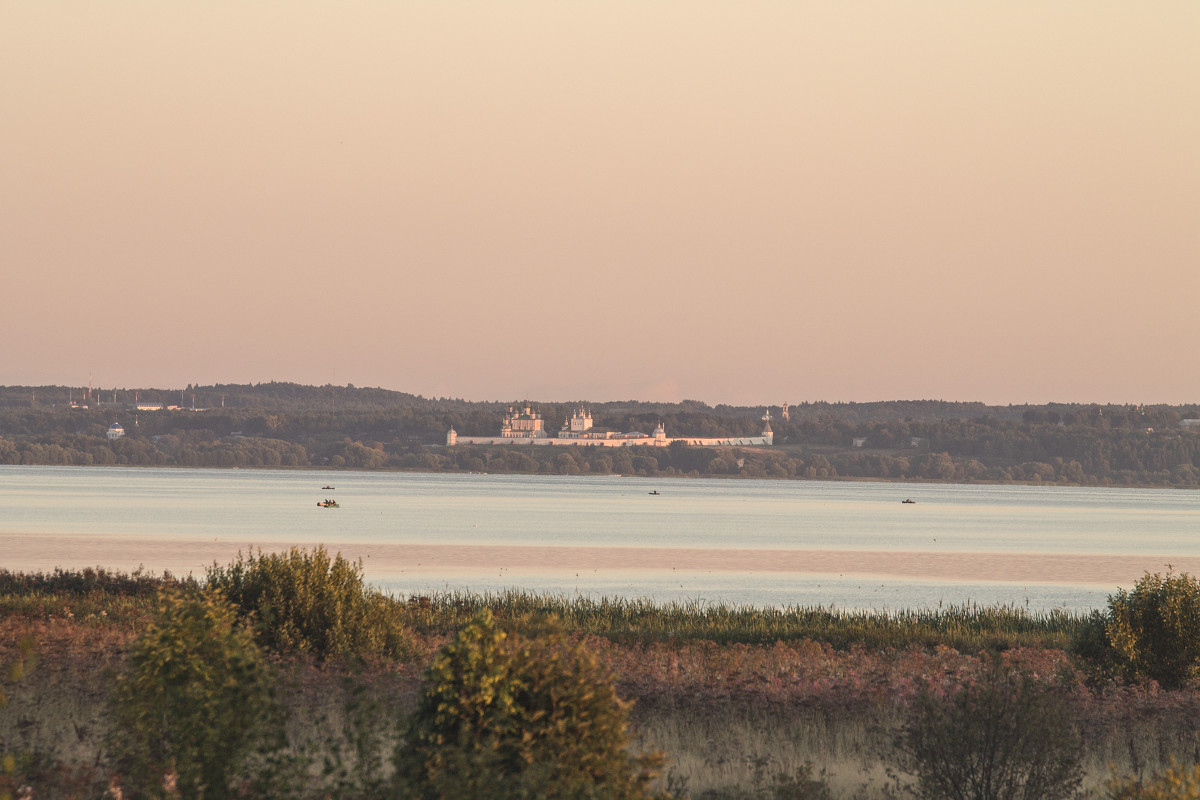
pixel 102 393
pixel 741 203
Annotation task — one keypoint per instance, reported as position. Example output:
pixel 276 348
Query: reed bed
pixel 97 595
pixel 960 627
pixel 126 598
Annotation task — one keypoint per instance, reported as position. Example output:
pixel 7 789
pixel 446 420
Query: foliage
pixel 97 596
pixel 1155 628
pixel 110 597
pixel 288 425
pixel 1002 737
pixel 305 601
pixel 1094 651
pixel 506 715
pixel 1175 783
pixel 85 582
pixel 962 627
pixel 193 708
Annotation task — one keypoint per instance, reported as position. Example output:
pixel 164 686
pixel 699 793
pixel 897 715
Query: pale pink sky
pixel 744 202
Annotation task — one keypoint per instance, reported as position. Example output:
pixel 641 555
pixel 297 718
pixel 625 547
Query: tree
pixel 508 716
pixel 1155 628
pixel 307 601
pixel 194 704
pixel 1001 737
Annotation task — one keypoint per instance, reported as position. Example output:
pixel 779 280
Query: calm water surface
pixel 847 544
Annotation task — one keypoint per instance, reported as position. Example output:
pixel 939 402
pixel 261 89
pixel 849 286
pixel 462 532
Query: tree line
pixel 288 425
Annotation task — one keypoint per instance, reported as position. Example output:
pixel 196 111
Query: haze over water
pixel 845 544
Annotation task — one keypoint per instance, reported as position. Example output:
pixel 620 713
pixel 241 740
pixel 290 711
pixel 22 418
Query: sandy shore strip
pixel 34 553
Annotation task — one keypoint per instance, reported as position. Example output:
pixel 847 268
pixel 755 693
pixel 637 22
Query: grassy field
pixel 739 699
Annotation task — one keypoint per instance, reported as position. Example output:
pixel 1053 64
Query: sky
pixel 735 202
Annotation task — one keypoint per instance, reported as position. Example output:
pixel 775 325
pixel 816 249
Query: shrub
pixel 194 704
pixel 307 602
pixel 1155 628
pixel 1002 737
pixel 1092 645
pixel 1175 784
pixel 510 716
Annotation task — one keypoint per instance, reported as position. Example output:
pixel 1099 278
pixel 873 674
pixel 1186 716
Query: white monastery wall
pixel 645 441
pixel 526 427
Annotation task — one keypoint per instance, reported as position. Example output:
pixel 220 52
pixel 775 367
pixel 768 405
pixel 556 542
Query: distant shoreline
pixel 598 475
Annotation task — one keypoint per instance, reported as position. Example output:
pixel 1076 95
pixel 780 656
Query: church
pixel 526 426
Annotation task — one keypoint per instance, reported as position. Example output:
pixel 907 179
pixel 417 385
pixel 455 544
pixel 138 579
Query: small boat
pixel 328 504
pixel 328 487
pixel 908 501
pixel 654 492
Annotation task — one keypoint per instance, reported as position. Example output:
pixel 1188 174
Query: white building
pixel 115 431
pixel 525 424
pixel 577 425
pixel 526 428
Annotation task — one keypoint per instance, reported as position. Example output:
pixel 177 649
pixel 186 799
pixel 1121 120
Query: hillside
pixel 290 425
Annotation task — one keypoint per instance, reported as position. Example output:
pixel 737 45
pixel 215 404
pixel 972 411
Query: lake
pixel 850 545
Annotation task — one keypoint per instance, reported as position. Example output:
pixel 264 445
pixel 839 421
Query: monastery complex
pixel 526 426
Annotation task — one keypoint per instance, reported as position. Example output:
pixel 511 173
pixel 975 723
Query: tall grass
pixel 968 627
pixel 95 594
pixel 87 581
pixel 960 627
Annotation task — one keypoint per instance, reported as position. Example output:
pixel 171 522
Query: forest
pixel 290 425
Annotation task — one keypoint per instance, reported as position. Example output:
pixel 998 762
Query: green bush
pixel 193 707
pixel 1155 628
pixel 1002 737
pixel 510 716
pixel 307 602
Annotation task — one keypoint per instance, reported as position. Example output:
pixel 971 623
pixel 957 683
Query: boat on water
pixel 328 504
pixel 328 487
pixel 654 492
pixel 908 501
